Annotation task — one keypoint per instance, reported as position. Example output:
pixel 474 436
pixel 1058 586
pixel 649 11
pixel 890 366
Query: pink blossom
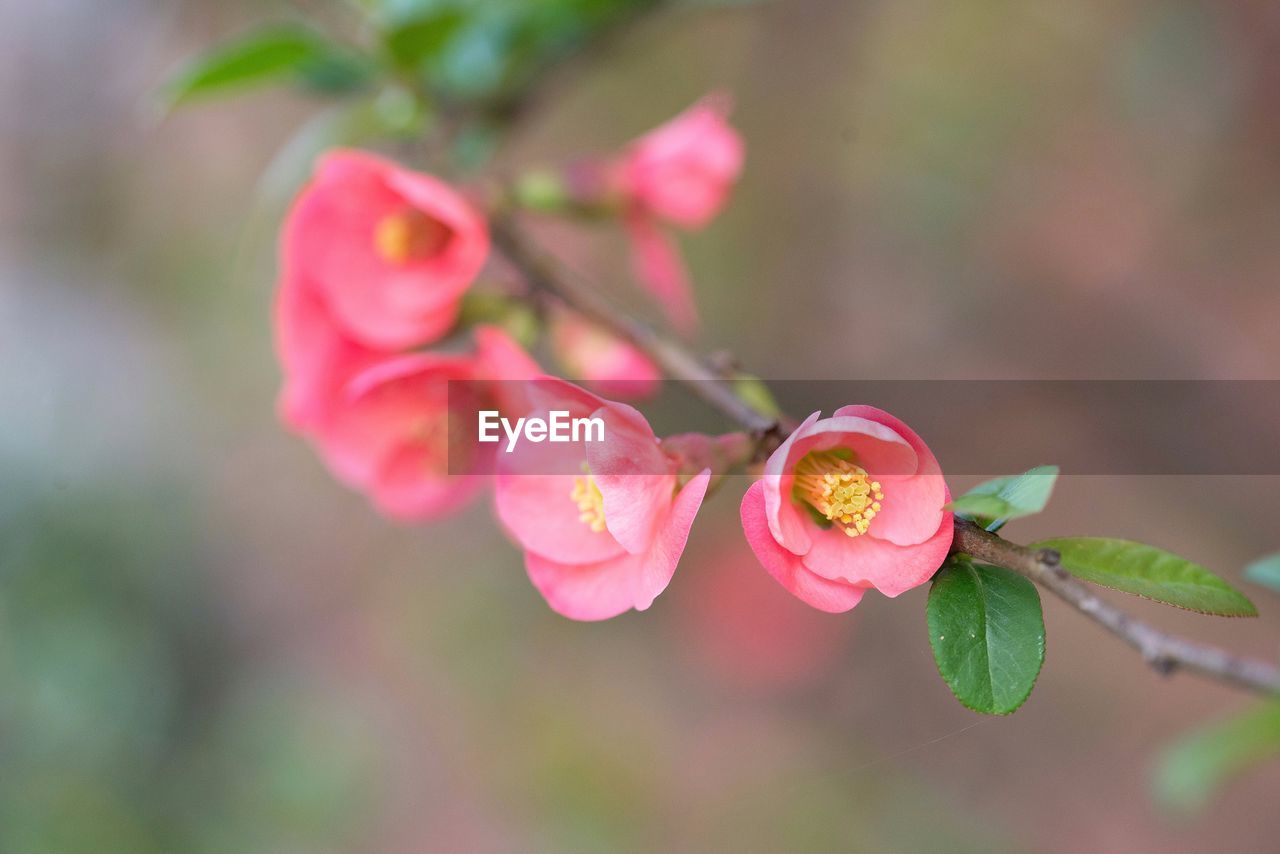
pixel 678 174
pixel 399 427
pixel 386 251
pixel 681 172
pixel 602 523
pixel 392 439
pixel 849 503
pixel 603 361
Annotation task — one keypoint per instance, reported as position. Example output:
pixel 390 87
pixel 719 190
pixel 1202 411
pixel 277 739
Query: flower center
pixel 410 235
pixel 590 502
pixel 839 489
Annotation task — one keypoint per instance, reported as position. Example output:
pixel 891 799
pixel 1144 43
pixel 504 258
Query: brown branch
pixel 1166 653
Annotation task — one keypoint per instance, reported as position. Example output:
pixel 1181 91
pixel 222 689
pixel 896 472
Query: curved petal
pixel 536 505
pixel 660 562
pixel 867 561
pixel 408 486
pixel 788 569
pixel 634 476
pixel 912 508
pixel 592 591
pixel 788 529
pixel 657 264
pixel 316 357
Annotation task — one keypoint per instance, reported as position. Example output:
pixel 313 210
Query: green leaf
pixel 987 634
pixel 1007 497
pixel 418 39
pixel 1151 573
pixel 1191 770
pixel 267 56
pixel 1265 571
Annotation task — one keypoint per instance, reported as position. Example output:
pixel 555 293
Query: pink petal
pixel 788 569
pixel 409 487
pixel 912 508
pixel 785 522
pixel 593 591
pixel 660 562
pixel 869 561
pixel 634 476
pixel 537 509
pixel 657 265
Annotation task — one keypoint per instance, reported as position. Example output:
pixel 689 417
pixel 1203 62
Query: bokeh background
pixel 207 645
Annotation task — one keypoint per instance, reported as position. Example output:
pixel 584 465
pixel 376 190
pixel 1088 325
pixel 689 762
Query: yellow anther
pixel 838 489
pixel 410 235
pixel 590 502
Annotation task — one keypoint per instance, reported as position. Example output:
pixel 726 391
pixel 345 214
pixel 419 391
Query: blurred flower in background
pixel 208 645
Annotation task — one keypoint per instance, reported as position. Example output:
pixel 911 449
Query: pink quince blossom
pixel 681 172
pixel 603 361
pixel 392 426
pixel 386 251
pixel 602 523
pixel 879 493
pixel 678 174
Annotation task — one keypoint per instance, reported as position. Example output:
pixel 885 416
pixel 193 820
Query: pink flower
pixel 603 361
pixel 394 427
pixel 394 440
pixel 678 174
pixel 681 172
pixel 317 358
pixel 848 503
pixel 602 523
pixel 386 251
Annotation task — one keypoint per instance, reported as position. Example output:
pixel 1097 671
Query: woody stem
pixel 1165 653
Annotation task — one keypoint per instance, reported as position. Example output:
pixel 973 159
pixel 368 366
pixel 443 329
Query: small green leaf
pixel 267 56
pixel 1007 497
pixel 1265 571
pixel 987 634
pixel 412 42
pixel 1191 770
pixel 1151 573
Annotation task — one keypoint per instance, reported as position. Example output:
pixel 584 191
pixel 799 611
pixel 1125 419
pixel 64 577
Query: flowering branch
pixel 1165 653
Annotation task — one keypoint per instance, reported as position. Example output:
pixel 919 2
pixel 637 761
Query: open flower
pixel 602 523
pixel 848 503
pixel 398 427
pixel 388 252
pixel 602 360
pixel 678 174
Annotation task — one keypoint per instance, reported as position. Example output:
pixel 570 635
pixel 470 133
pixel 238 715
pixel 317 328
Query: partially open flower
pixel 602 523
pixel 603 361
pixel 387 251
pixel 681 172
pixel 849 503
pixel 678 174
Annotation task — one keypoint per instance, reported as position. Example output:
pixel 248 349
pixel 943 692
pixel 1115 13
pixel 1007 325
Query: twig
pixel 675 360
pixel 1166 653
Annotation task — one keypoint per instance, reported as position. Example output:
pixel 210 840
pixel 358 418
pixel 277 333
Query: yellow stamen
pixel 590 502
pixel 839 489
pixel 410 235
